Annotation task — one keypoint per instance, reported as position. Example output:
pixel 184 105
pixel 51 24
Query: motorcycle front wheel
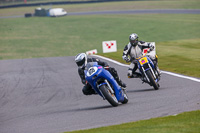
pixel 152 80
pixel 111 98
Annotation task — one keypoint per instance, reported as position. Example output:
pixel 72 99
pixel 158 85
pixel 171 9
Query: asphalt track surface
pixel 43 95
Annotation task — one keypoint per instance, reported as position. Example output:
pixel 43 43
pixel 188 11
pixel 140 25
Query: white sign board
pixel 109 46
pixel 91 52
pixel 153 52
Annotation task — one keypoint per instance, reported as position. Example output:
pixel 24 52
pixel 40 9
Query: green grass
pixel 188 122
pixel 176 36
pixel 180 56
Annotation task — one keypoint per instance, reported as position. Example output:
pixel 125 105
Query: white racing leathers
pixel 130 53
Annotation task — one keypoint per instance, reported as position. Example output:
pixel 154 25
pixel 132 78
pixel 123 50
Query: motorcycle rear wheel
pixel 111 98
pixel 152 81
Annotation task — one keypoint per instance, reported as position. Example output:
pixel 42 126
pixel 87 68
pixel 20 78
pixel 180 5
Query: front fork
pixel 152 71
pixel 109 88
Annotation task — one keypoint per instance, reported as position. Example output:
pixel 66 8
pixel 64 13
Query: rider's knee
pixel 87 90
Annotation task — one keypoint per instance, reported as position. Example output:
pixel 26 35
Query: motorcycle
pixel 148 73
pixel 104 84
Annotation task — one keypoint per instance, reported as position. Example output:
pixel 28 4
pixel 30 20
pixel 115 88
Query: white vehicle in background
pixel 57 12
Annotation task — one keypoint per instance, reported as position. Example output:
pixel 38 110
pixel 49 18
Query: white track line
pixel 170 73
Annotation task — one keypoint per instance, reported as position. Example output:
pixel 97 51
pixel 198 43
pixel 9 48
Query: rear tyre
pixel 152 80
pixel 111 98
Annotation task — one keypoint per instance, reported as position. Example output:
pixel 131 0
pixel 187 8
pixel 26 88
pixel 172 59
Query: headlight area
pixel 94 76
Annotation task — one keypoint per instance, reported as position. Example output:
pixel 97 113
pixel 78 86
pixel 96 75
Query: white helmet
pixel 81 60
pixel 133 38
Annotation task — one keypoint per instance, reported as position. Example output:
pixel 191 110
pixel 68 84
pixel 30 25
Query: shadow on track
pixel 94 108
pixel 76 110
pixel 140 90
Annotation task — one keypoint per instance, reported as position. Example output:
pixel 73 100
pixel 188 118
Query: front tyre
pixel 111 98
pixel 152 80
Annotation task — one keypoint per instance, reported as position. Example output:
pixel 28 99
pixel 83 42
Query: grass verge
pixel 175 56
pixel 188 122
pixel 176 36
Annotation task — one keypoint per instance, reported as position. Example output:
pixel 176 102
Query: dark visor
pixel 133 41
pixel 81 62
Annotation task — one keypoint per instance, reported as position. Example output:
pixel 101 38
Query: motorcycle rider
pixel 134 49
pixel 81 60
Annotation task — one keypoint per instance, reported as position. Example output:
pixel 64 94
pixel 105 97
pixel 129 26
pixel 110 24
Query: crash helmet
pixel 81 60
pixel 133 39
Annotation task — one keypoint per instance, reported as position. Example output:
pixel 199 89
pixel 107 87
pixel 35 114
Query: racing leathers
pixel 87 89
pixel 131 52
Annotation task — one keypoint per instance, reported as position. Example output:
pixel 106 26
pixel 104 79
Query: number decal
pixel 143 60
pixel 91 71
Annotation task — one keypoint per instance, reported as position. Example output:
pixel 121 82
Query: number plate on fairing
pixel 143 60
pixel 91 71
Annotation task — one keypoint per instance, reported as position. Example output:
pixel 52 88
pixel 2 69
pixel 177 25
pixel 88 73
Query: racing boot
pixel 155 62
pixel 158 70
pixel 120 83
pixel 116 77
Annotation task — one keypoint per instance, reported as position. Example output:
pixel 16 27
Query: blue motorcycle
pixel 104 84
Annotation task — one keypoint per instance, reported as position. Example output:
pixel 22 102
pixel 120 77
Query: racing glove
pixel 126 58
pixel 151 46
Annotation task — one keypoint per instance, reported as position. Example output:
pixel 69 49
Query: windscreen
pixel 90 64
